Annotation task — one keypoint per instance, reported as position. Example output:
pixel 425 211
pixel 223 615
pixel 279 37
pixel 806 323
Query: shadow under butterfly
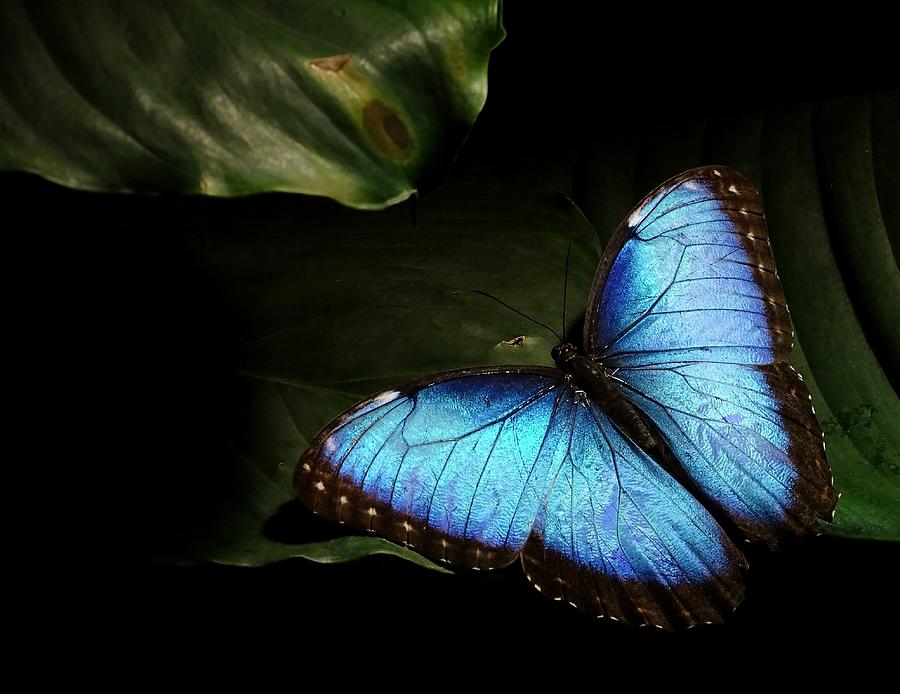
pixel 616 475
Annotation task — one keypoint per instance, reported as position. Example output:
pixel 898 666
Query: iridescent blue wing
pixel 455 466
pixel 687 310
pixel 619 537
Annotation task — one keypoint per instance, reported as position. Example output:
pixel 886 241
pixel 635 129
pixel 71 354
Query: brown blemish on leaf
pixel 387 129
pixel 515 342
pixel 333 63
pixel 204 186
pixel 396 130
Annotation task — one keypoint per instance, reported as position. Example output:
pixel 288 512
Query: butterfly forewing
pixel 455 466
pixel 690 276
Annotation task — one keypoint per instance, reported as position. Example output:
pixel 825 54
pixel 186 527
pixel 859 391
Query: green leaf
pixel 361 101
pixel 325 306
pixel 842 138
pixel 886 162
pixel 846 370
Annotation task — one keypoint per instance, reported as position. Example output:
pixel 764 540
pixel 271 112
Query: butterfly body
pixel 686 336
pixel 596 381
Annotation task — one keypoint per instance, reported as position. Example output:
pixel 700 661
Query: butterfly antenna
pixel 566 288
pixel 515 310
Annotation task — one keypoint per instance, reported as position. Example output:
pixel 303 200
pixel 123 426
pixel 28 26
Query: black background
pixel 559 74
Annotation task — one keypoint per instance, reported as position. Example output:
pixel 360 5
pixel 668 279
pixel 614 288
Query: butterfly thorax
pixel 592 378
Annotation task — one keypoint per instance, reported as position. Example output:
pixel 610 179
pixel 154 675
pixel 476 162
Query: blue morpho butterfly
pixel 615 475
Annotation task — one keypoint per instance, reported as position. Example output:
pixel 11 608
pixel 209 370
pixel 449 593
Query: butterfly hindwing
pixel 688 311
pixel 619 537
pixel 745 432
pixel 455 466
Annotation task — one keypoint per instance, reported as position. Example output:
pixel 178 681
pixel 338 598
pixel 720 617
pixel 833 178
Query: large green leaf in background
pixel 332 305
pixel 360 101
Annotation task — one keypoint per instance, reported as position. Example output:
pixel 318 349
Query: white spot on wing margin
pixel 386 396
pixel 635 217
